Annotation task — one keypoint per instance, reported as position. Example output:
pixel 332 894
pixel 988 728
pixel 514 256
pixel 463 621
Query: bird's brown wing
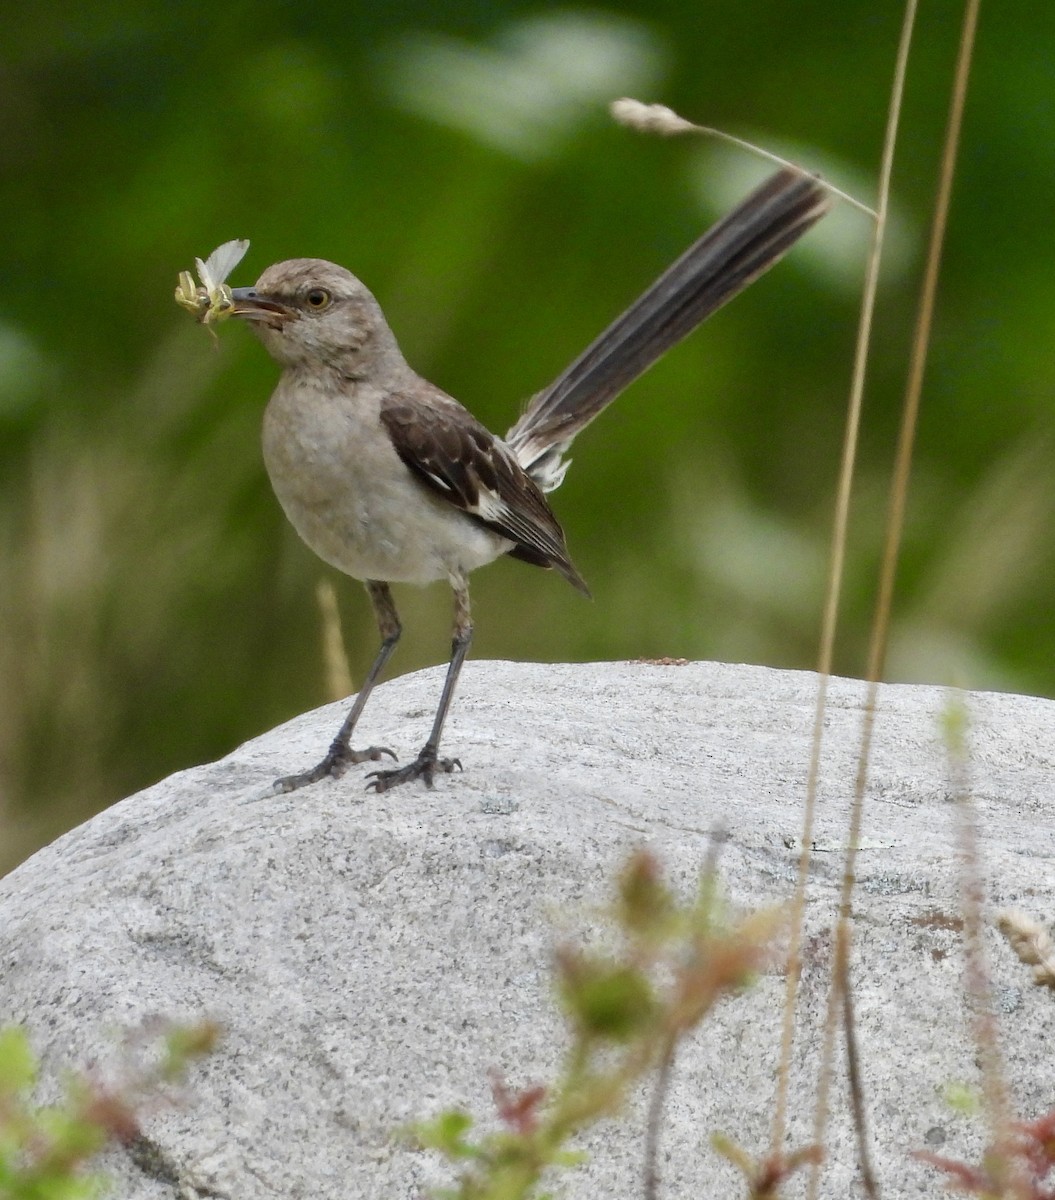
pixel 456 457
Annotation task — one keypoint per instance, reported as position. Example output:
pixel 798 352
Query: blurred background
pixel 156 609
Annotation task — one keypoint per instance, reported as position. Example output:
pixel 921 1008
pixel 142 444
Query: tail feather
pixel 729 256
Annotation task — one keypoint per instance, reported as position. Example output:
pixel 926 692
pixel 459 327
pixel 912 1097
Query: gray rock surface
pixel 372 958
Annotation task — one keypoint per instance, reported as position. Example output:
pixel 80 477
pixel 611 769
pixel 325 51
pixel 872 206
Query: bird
pixel 390 480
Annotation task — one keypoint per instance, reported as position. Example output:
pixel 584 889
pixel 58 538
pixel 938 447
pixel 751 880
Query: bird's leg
pixel 428 762
pixel 340 754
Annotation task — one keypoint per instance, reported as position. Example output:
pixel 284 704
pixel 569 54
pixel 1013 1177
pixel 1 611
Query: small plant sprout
pixel 211 300
pixel 627 1010
pixel 47 1152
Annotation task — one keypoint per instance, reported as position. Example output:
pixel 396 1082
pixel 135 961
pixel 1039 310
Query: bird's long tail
pixel 731 254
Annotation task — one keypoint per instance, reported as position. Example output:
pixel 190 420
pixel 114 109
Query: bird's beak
pixel 255 306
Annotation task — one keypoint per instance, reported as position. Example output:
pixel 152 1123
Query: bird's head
pixel 312 313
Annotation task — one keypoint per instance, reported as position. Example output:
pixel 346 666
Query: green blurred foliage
pixel 156 609
pixel 49 1152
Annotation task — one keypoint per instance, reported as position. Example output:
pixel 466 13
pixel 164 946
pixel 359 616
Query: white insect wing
pixel 223 260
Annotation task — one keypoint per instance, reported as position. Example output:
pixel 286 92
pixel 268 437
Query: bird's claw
pixel 338 759
pixel 425 767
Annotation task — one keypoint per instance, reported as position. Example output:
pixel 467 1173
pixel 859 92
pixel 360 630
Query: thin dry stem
pixel 836 566
pixel 334 655
pixel 657 118
pixel 892 544
pixel 1005 1165
pixel 920 347
pixel 654 1124
pixel 857 1097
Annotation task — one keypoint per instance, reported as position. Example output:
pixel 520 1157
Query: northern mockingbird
pixel 390 480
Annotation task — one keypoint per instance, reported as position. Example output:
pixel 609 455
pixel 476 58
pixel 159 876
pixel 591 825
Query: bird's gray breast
pixel 350 497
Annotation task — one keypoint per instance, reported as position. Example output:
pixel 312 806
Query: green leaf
pixel 613 1003
pixel 446 1133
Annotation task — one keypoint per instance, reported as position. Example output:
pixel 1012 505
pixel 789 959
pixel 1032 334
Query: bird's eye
pixel 318 299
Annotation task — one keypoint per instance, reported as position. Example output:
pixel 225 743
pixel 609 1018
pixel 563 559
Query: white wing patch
pixel 489 506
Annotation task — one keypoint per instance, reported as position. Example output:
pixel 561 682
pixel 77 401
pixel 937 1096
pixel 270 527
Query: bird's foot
pixel 425 766
pixel 338 759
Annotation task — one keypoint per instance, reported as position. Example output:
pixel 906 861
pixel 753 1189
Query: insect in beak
pixel 212 300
